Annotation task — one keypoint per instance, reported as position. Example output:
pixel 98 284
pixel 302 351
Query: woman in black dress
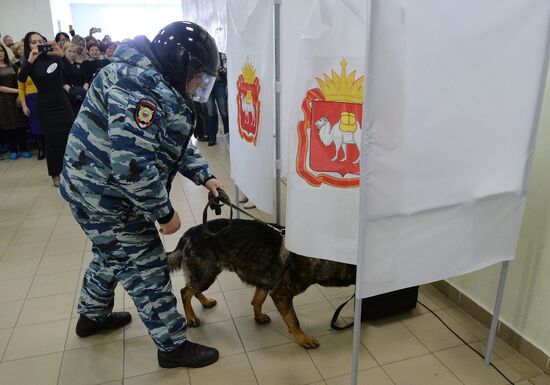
pixel 52 105
pixel 75 78
pixel 94 63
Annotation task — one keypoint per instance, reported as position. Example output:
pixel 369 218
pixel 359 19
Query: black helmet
pixel 187 53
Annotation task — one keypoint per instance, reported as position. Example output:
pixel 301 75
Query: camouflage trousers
pixel 128 250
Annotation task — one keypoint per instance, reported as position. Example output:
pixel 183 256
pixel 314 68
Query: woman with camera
pixel 44 65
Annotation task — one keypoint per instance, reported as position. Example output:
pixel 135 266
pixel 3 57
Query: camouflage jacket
pixel 130 139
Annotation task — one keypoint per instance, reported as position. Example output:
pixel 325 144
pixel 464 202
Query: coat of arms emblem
pixel 329 137
pixel 248 103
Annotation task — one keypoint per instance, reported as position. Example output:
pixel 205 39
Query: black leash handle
pixel 215 204
pixel 337 313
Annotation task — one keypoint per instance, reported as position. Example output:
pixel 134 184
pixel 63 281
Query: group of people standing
pixel 48 88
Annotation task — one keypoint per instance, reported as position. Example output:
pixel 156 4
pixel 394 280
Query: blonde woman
pixel 75 79
pixel 81 52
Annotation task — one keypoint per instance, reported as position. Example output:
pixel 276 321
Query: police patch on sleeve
pixel 145 113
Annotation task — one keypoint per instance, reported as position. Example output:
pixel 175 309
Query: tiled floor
pixel 42 256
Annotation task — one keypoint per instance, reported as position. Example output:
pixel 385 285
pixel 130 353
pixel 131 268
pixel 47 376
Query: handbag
pixel 380 306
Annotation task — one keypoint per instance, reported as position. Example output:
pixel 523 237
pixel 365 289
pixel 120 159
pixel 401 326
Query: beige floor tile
pixel 18 252
pixel 424 370
pixel 542 379
pixel 140 356
pixel 136 328
pixel 469 367
pixel 64 246
pixel 41 370
pixel 456 326
pixel 315 318
pixel 6 237
pixel 14 289
pixel 473 326
pixel 442 301
pixel 374 376
pixel 34 340
pixel 258 336
pixel 9 311
pixel 112 383
pixel 506 369
pixel 287 364
pixel 221 335
pixel 44 309
pixel 5 335
pixel 230 281
pixel 179 376
pixel 60 263
pixel 390 341
pixel 105 337
pixel 524 382
pixel 431 332
pixel 25 236
pixel 514 359
pixel 56 283
pixel 234 370
pixel 220 312
pixel 334 357
pixel 18 269
pixel 94 365
pixel 311 295
pixel 238 302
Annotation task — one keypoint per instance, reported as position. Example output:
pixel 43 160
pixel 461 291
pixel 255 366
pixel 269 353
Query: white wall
pixel 526 304
pixel 19 17
pixel 209 14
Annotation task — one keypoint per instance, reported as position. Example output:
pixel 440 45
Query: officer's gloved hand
pixel 213 185
pixel 172 226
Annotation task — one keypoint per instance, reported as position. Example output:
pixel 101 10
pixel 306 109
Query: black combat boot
pixel 188 355
pixel 85 327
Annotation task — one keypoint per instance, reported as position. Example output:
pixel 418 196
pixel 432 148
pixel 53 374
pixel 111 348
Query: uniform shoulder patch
pixel 145 113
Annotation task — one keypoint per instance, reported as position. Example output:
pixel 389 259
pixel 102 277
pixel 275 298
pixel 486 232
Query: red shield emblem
pixel 248 103
pixel 329 137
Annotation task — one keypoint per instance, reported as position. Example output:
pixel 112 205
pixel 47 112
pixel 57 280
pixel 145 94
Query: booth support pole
pixel 277 55
pixel 496 312
pixel 362 211
pixel 237 201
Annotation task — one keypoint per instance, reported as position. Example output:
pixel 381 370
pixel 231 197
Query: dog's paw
pixel 193 322
pixel 309 342
pixel 209 303
pixel 262 319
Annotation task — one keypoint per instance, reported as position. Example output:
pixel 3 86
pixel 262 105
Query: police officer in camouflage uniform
pixel 128 142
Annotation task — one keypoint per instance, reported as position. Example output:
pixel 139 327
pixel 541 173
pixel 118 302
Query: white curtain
pixel 453 96
pixel 324 129
pixel 250 63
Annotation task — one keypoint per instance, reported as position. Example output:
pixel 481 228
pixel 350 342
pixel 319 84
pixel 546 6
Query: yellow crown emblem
pixel 343 87
pixel 249 72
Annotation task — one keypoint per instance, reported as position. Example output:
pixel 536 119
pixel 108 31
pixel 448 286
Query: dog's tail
pixel 175 258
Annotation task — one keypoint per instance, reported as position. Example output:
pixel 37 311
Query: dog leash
pixel 216 204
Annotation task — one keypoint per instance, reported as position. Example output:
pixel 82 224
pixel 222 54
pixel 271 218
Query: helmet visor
pixel 200 86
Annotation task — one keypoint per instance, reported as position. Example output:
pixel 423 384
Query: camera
pixel 45 48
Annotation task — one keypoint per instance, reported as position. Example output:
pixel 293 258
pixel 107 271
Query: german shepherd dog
pixel 255 252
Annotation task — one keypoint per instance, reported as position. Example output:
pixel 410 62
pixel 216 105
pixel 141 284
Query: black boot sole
pixel 172 365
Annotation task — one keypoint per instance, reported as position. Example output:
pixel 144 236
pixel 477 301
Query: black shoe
pixel 41 156
pixel 211 144
pixel 202 138
pixel 85 327
pixel 188 355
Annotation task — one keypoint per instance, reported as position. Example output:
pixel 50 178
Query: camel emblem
pixel 329 136
pixel 346 131
pixel 248 103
